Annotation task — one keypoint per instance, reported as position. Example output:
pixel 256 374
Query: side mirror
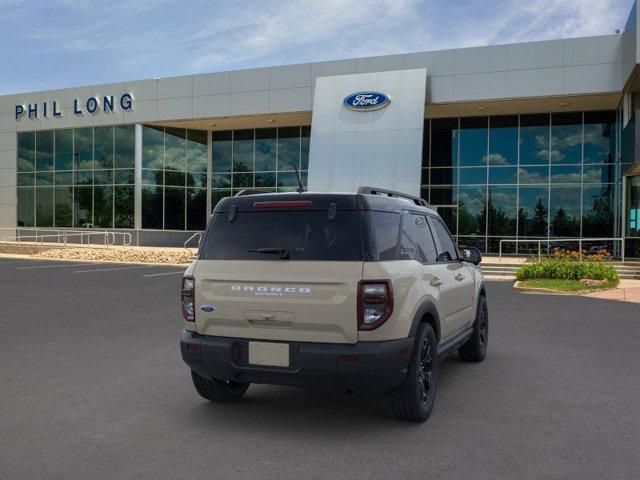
pixel 472 255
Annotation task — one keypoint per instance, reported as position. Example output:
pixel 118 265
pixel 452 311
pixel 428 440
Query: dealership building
pixel 519 142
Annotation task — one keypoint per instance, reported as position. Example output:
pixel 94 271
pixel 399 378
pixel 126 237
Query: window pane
pixel 566 138
pixel 221 181
pixel 473 141
pixel 501 175
pixel 501 210
pixel 243 150
pixel 444 176
pixel 450 217
pixel 152 207
pixel 175 149
pixel 533 214
pixel 304 147
pixel 123 204
pixel 26 201
pixel 217 195
pixel 44 150
pixel 152 147
pixel 174 208
pixel 444 240
pixel 288 148
pixel 565 211
pixel 26 179
pixel 176 179
pixel 265 149
pixel 471 211
pixel 103 207
pixel 442 196
pixel 125 152
pixel 242 180
pixel 265 179
pixel 102 177
pixel 534 175
pixel 152 177
pixel 64 149
pixel 83 148
pixel 221 151
pixel 599 173
pixel 197 179
pixel 444 148
pixel 425 246
pixel 534 139
pixel 503 140
pixel 44 179
pixel 26 151
pixel 473 176
pixel 383 229
pixel 196 208
pixel 566 174
pixel 82 206
pixel 83 177
pixel 103 147
pixel 64 206
pixel 124 176
pixel 197 152
pixel 599 140
pixel 597 211
pixel 44 207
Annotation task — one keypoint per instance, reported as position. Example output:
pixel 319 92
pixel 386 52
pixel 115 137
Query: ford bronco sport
pixel 362 291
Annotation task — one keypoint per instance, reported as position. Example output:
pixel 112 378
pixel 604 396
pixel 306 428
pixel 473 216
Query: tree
pixel 540 219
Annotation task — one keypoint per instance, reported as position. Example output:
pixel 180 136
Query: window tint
pixel 306 235
pixel 446 246
pixel 384 228
pixel 426 248
pixel 407 250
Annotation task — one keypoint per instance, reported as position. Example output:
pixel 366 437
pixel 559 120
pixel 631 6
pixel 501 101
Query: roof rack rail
pixel 247 191
pixel 392 193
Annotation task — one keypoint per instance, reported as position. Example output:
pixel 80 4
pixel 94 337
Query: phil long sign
pixel 91 105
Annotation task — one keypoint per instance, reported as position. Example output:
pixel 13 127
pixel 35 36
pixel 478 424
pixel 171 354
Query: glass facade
pixel 262 159
pixel 77 177
pixel 539 176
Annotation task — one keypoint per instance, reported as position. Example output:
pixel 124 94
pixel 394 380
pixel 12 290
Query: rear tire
pixel 218 390
pixel 413 400
pixel 475 349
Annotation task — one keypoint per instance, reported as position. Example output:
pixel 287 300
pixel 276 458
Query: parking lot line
pixel 53 266
pixel 165 273
pixel 114 268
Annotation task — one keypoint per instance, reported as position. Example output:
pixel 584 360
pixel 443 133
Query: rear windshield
pixel 303 235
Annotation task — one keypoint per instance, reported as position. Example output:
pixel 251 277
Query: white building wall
pixel 382 148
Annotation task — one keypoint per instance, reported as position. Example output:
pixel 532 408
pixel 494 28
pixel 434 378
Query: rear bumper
pixel 373 367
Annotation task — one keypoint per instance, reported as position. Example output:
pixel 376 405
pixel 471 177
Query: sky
pixel 48 44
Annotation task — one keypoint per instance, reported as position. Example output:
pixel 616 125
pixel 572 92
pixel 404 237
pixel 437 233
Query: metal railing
pixel 69 237
pixel 549 242
pixel 188 240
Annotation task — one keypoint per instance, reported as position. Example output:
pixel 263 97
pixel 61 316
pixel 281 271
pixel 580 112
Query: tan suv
pixel 361 291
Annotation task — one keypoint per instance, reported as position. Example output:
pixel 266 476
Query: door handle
pixel 435 282
pixel 459 277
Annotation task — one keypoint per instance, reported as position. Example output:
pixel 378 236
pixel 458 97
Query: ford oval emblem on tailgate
pixel 207 308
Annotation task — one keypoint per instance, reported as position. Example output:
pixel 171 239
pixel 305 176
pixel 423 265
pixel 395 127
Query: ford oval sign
pixel 366 101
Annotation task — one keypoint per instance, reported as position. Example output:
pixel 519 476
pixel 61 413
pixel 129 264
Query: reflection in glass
pixel 566 138
pixel 265 149
pixel 44 150
pixel 152 207
pixel 125 150
pixel 503 140
pixel 605 173
pixel 44 179
pixel 243 150
pixel 442 196
pixel 83 148
pixel 473 141
pixel 571 174
pixel 26 205
pixel 64 149
pixel 471 211
pixel 175 149
pixel 26 151
pixel 534 175
pixel 83 206
pixel 103 207
pixel 221 151
pixel 444 176
pixel 197 151
pixel 304 147
pixel 217 195
pixel 44 207
pixel 152 147
pixel 502 175
pixel 196 208
pixel 501 211
pixel 288 148
pixel 534 139
pixel 123 201
pixel 533 213
pixel 565 211
pixel 174 208
pixel 444 142
pixel 26 179
pixel 265 179
pixel 597 211
pixel 473 176
pixel 599 141
pixel 103 147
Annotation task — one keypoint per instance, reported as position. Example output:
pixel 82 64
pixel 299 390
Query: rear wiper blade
pixel 283 253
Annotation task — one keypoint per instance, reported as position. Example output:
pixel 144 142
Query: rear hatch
pixel 281 267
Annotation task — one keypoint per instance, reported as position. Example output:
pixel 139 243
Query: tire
pixel 413 400
pixel 218 390
pixel 475 349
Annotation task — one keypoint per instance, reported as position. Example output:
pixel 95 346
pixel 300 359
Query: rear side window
pixel 383 235
pixel 304 235
pixel 447 248
pixel 425 246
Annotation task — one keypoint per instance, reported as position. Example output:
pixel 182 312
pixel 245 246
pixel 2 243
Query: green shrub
pixel 558 269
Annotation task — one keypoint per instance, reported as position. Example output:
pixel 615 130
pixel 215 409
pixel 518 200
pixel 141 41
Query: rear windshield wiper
pixel 283 253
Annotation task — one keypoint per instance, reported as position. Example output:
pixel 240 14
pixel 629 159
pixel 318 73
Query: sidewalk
pixel 627 291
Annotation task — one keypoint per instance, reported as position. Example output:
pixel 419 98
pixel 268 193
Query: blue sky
pixel 47 44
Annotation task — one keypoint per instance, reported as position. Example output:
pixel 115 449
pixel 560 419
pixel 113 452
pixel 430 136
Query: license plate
pixel 269 354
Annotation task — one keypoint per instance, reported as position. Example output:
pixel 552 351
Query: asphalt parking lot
pixel 92 386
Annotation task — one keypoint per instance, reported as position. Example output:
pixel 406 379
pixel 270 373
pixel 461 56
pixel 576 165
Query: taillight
pixel 187 298
pixel 375 303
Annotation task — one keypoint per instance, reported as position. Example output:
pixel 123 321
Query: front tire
pixel 218 390
pixel 475 349
pixel 413 400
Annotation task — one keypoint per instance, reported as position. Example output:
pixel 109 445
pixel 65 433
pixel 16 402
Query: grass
pixel 563 285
